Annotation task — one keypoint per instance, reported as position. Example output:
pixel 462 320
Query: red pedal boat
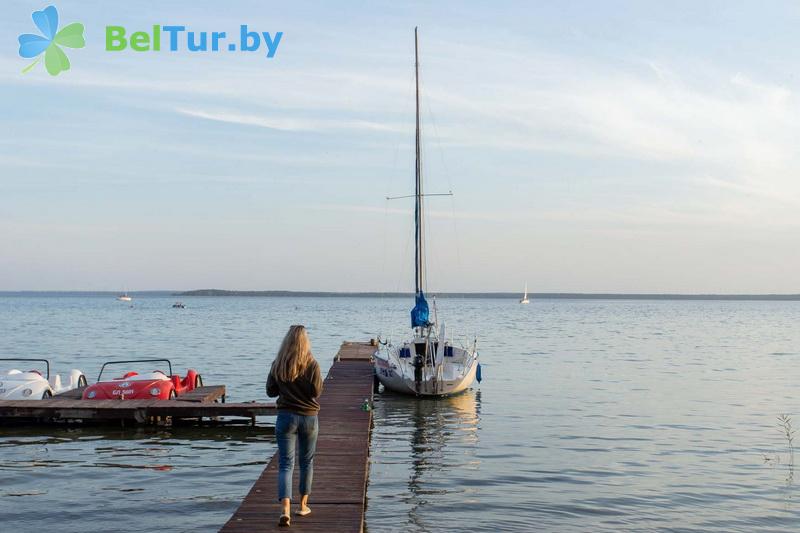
pixel 155 385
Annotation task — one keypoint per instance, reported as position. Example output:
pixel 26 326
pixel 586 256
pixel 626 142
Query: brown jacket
pixel 298 396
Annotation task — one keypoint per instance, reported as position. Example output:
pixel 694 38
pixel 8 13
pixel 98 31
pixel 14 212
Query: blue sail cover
pixel 420 313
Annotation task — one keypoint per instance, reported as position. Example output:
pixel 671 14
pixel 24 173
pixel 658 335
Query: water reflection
pixel 431 437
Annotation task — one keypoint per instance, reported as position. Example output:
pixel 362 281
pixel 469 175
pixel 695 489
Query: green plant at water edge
pixel 785 425
pixel 788 433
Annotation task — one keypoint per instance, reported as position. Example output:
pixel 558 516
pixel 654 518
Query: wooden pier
pixel 341 461
pixel 203 402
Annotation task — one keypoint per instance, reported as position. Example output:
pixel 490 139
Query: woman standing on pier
pixel 295 379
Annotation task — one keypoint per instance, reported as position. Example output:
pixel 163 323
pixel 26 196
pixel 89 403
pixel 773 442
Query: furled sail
pixel 420 314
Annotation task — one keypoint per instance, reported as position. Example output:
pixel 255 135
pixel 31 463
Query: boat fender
pixel 478 373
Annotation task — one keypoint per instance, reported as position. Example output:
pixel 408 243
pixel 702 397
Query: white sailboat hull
pixel 450 375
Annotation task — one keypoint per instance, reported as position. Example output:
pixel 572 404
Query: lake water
pixel 593 415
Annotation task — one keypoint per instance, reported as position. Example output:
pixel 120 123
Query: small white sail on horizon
pixel 525 299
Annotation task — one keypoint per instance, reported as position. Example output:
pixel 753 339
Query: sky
pixel 590 146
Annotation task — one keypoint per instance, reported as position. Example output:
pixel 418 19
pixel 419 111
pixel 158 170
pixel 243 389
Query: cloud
pixel 27 162
pixel 289 123
pixel 653 216
pixel 496 216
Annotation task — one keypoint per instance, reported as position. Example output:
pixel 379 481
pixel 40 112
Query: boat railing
pixel 460 340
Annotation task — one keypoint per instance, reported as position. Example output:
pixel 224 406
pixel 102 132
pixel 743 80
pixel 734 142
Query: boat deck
pixel 341 462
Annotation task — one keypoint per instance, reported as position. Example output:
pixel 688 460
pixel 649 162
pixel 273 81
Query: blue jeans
pixel 290 429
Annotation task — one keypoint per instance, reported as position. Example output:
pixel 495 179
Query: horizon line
pixel 389 294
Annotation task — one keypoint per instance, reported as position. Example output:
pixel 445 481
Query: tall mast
pixel 419 251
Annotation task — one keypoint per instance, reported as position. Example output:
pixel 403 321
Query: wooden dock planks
pixel 341 462
pixel 199 403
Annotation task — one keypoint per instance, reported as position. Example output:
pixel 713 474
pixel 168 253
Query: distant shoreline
pixel 534 296
pixel 503 295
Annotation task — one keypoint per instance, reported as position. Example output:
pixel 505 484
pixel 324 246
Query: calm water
pixel 593 415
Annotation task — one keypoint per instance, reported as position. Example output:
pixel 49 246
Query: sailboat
pixel 525 295
pixel 426 363
pixel 124 297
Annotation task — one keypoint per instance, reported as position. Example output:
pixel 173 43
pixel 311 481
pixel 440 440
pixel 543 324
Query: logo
pixel 179 38
pixel 50 42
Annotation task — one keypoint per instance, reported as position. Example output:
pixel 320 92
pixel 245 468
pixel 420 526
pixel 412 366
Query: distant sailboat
pixel 525 295
pixel 124 297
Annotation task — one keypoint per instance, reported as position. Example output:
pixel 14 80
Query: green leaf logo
pixel 50 42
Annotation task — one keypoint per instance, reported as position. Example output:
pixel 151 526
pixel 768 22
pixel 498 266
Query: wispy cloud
pixel 288 123
pixel 664 216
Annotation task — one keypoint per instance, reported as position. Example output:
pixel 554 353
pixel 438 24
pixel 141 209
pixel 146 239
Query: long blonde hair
pixel 294 355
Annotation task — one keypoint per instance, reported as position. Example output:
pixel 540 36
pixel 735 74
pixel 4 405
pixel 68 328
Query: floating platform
pixel 203 402
pixel 341 461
